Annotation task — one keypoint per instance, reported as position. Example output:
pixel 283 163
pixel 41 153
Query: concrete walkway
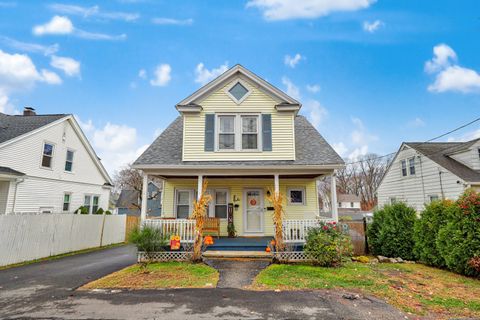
pixel 237 273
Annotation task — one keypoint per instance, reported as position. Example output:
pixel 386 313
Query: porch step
pixel 237 254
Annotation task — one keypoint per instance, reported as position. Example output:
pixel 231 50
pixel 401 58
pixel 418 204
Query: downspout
pixel 17 182
pixel 421 176
pixel 441 184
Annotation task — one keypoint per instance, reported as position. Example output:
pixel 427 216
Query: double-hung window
pixel 91 203
pixel 87 203
pixel 183 203
pixel 226 133
pixel 67 197
pixel 404 168
pixel 296 196
pixel 95 201
pixel 69 161
pixel 411 165
pixel 249 132
pixel 221 204
pixel 47 155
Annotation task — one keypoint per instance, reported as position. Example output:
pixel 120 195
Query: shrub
pixel 459 240
pixel 108 212
pixel 391 232
pixel 327 246
pixel 82 209
pixel 99 211
pixel 426 231
pixel 148 239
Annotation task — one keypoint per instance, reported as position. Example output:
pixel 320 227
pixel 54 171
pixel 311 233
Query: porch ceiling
pixel 213 177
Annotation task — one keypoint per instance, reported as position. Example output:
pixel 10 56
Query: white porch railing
pixel 296 230
pixel 185 228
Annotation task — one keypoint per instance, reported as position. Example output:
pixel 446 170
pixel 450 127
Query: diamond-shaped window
pixel 238 91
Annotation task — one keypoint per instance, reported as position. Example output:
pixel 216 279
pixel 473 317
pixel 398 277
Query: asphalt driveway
pixel 46 290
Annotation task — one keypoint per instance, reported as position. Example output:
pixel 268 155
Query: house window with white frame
pixel 296 196
pixel 392 200
pixel 411 166
pixel 238 92
pixel 91 203
pixel 226 133
pixel 221 203
pixel 67 198
pixel 404 168
pixel 47 155
pixel 433 197
pixel 183 201
pixel 249 132
pixel 69 161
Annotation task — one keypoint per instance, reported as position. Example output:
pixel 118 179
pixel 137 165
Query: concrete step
pixel 237 254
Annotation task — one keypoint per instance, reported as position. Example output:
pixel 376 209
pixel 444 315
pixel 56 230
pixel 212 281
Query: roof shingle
pixel 15 126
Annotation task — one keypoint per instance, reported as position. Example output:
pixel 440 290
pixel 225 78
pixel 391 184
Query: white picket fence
pixel 185 228
pixel 33 236
pixel 296 230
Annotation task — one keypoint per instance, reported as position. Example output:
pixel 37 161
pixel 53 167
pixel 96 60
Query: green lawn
pixel 159 275
pixel 413 288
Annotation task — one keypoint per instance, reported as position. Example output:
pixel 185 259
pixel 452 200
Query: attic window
pixel 238 91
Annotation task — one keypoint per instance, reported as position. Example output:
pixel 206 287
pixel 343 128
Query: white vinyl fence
pixel 27 237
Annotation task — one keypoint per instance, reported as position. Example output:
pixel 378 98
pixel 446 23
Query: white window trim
pixel 243 83
pixel 238 132
pixel 91 195
pixel 211 206
pixel 302 189
pixel 69 202
pixel 433 195
pixel 406 168
pixel 73 160
pixel 52 162
pixel 190 202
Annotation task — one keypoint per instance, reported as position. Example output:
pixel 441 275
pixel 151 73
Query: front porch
pixel 240 200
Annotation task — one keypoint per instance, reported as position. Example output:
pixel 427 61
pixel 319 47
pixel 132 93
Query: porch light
pixel 235 198
pixel 268 193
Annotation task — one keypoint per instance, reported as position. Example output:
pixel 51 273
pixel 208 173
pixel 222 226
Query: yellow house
pixel 246 138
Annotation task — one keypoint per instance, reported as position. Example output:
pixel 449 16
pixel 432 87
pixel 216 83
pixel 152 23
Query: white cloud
pixel 456 78
pixel 449 76
pixel 30 47
pixel 292 61
pixel 340 148
pixel 358 152
pixel 69 66
pixel 360 140
pixel 93 12
pixel 315 112
pixel 372 26
pixel 57 25
pixel 203 75
pixel 19 73
pixel 305 9
pixel 415 123
pixel 142 74
pixel 443 57
pixel 162 75
pixel 292 89
pixel 314 88
pixel 61 25
pixel 116 144
pixel 172 22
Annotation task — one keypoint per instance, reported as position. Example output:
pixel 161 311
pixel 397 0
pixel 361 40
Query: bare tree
pixel 129 178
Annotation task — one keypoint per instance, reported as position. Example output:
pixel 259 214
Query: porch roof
pixel 311 150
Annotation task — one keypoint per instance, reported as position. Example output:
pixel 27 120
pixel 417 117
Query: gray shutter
pixel 267 132
pixel 209 132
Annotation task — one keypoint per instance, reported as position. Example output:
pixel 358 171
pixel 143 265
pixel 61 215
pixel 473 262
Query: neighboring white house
pixel 48 165
pixel 348 202
pixel 423 172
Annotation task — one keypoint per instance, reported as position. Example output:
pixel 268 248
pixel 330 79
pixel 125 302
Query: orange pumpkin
pixel 272 242
pixel 267 249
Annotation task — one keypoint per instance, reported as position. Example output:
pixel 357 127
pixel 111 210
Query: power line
pixel 430 140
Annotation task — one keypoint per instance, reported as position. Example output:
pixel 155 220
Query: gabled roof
pixel 127 198
pixel 439 153
pixel 15 126
pixel 310 148
pixel 192 100
pixel 10 172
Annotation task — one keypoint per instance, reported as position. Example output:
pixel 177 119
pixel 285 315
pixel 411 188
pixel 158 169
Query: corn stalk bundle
pixel 276 199
pixel 199 214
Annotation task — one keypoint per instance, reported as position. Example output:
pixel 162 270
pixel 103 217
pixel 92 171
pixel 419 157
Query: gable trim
pixel 269 88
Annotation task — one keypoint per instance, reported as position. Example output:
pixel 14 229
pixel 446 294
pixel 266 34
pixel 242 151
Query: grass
pixel 63 255
pixel 157 276
pixel 413 288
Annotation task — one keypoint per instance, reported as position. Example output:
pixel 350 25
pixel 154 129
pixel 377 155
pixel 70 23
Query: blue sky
pixel 370 74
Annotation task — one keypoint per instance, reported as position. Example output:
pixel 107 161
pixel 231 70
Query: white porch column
pixel 333 197
pixel 143 211
pixel 277 184
pixel 199 187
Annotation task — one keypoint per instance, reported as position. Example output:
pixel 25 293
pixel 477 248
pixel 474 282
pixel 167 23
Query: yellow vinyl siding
pixel 283 140
pixel 236 188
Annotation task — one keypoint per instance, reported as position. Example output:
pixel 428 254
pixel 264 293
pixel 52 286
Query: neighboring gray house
pixel 129 202
pixel 349 203
pixel 423 172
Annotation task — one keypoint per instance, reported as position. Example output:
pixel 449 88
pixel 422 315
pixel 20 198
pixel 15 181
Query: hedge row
pixel 446 235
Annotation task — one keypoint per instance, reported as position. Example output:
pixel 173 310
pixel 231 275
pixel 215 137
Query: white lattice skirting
pixel 165 256
pixel 291 256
